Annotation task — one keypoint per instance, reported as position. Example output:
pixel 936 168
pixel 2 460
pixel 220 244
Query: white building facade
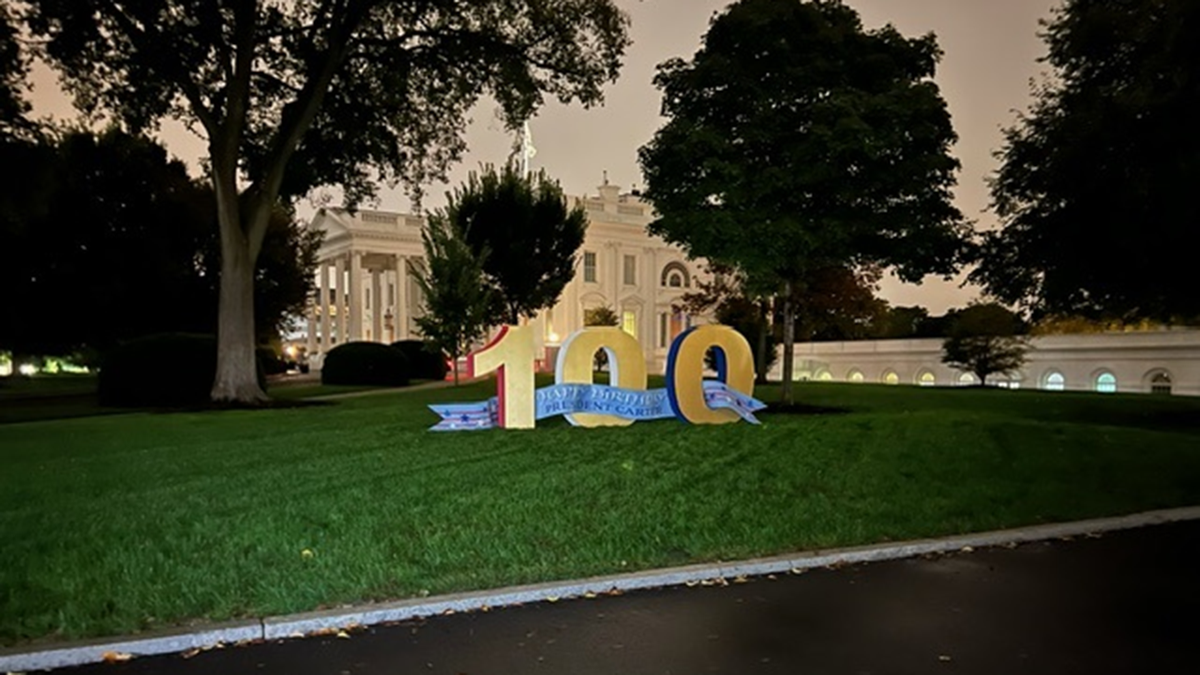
pixel 364 290
pixel 1165 362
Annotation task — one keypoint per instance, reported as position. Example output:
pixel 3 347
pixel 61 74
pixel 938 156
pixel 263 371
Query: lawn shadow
pixel 802 409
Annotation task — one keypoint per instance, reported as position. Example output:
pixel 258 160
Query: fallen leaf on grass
pixel 190 653
pixel 943 658
pixel 115 657
pixel 968 549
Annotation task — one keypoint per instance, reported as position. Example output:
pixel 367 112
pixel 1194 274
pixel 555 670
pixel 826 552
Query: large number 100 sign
pixel 687 396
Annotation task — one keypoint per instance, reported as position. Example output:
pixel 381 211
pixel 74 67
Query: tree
pixel 600 316
pixel 838 303
pixel 796 141
pixel 294 95
pixel 14 67
pixel 532 237
pixel 116 241
pixel 985 339
pixel 734 303
pixel 1096 188
pixel 900 322
pixel 458 301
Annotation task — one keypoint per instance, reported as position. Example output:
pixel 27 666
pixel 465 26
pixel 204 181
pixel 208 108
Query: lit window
pixel 855 376
pixel 589 266
pixel 1055 382
pixel 927 379
pixel 629 322
pixel 966 380
pixel 891 378
pixel 1106 383
pixel 825 376
pixel 630 270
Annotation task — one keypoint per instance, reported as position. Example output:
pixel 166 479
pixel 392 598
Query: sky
pixel 991 51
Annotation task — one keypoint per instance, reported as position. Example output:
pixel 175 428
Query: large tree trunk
pixel 760 356
pixel 789 339
pixel 237 374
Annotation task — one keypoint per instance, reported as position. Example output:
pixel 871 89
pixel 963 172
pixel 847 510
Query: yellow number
pixel 626 367
pixel 510 354
pixel 685 372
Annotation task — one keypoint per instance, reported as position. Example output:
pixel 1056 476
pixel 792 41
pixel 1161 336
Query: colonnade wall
pixel 1165 361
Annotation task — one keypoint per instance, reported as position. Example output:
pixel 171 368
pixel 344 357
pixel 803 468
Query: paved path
pixel 1126 602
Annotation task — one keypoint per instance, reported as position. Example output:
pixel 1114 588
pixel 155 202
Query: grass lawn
pixel 119 523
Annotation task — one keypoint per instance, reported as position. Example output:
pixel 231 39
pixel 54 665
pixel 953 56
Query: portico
pixel 365 291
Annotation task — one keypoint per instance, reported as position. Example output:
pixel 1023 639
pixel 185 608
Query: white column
pixel 310 343
pixel 340 299
pixel 649 275
pixel 323 306
pixel 401 297
pixel 376 307
pixel 356 297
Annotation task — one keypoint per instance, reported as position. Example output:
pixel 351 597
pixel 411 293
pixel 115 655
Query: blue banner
pixel 562 399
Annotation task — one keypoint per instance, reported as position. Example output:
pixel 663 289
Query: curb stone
pixel 297 625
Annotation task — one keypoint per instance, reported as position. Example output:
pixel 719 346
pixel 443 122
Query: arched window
pixel 890 377
pixel 1160 383
pixel 1054 381
pixel 927 379
pixel 1106 382
pixel 855 375
pixel 675 275
pixel 966 380
pixel 824 376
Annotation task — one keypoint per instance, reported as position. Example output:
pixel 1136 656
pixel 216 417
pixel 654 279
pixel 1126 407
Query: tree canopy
pixel 294 95
pixel 797 140
pixel 458 300
pixel 116 241
pixel 530 236
pixel 14 66
pixel 985 338
pixel 1096 189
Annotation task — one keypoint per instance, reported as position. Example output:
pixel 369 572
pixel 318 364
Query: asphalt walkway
pixel 1123 602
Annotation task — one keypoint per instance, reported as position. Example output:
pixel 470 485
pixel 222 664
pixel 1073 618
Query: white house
pixel 366 293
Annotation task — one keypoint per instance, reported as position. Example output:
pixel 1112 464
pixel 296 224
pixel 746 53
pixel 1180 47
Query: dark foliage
pixel 365 363
pixel 796 140
pixel 116 241
pixel 161 371
pixel 525 234
pixel 1097 187
pixel 425 360
pixel 985 339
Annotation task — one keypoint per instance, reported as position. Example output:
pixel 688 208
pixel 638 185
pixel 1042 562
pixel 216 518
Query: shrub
pixel 425 362
pixel 270 360
pixel 365 363
pixel 165 370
